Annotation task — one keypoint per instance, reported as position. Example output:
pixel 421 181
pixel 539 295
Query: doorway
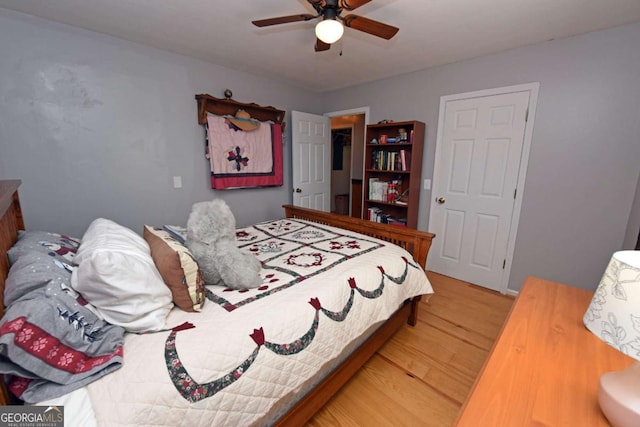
pixel 341 169
pixel 482 150
pixel 347 183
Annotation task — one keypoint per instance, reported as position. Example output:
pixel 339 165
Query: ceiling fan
pixel 329 30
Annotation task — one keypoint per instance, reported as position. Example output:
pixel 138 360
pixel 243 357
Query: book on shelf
pixel 373 214
pixel 405 160
pixel 380 189
pixel 383 191
pixel 400 222
pixel 387 160
pixel 371 191
pixel 378 215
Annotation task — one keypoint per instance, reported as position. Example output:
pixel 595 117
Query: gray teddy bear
pixel 211 238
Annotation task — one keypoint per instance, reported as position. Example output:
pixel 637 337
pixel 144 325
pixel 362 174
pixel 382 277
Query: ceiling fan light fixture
pixel 329 30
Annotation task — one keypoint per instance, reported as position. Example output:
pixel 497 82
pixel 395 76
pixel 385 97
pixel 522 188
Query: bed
pixel 292 371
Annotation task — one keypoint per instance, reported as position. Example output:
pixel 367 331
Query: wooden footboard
pixel 415 242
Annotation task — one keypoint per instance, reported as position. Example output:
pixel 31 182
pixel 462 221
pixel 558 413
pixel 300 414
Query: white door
pixel 479 154
pixel 311 152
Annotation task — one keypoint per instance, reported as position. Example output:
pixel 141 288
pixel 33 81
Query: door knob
pixel 298 190
pixel 440 200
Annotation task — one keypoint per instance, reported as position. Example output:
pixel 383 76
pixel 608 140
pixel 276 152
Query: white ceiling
pixel 432 32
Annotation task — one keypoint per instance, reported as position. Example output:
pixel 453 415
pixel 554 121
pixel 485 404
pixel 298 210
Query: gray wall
pixel 584 160
pixel 632 236
pixel 97 126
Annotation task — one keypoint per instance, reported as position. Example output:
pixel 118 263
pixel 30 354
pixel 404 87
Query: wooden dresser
pixel 545 367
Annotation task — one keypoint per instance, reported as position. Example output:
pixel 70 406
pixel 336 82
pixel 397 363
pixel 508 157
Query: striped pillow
pixel 178 268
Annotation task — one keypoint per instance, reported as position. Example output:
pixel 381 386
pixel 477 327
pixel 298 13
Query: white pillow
pixel 117 275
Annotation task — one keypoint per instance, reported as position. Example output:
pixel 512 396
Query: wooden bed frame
pixel 10 222
pixel 416 242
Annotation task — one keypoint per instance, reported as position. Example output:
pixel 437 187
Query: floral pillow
pixel 177 267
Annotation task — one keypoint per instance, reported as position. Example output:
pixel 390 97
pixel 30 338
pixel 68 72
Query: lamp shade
pixel 614 312
pixel 329 30
pixel 614 316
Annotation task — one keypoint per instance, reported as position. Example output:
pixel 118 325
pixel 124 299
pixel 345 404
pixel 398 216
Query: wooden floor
pixel 423 374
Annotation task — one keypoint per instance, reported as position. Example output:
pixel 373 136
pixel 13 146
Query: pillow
pixel 61 247
pixel 117 275
pixel 177 267
pixel 34 270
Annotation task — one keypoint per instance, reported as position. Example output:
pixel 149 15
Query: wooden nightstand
pixel 545 367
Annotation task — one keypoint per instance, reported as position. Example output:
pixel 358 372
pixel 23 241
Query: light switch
pixel 427 184
pixel 177 182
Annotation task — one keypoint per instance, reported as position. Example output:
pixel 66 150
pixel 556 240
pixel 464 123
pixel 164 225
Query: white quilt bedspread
pixel 322 288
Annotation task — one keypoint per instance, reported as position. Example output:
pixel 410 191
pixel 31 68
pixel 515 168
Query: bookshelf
pixel 393 170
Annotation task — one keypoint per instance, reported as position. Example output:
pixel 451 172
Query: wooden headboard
pixel 10 222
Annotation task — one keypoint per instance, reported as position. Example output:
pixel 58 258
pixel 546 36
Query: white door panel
pixel 478 153
pixel 453 227
pixel 311 151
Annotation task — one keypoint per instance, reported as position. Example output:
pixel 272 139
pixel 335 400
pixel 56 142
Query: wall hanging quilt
pixel 242 159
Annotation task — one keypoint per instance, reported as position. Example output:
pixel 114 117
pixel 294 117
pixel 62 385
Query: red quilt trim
pixel 50 350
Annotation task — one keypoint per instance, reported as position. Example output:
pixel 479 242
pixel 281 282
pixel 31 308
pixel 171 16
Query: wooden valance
pixel 227 106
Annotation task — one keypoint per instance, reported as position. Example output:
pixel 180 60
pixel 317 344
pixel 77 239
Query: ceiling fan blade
pixel 352 4
pixel 282 20
pixel 370 26
pixel 317 5
pixel 320 45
